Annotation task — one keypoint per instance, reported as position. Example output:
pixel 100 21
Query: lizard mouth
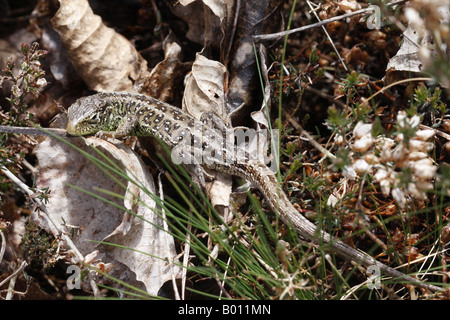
pixel 78 130
pixel 71 129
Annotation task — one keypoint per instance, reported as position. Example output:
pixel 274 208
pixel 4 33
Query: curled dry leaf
pixel 104 59
pixel 204 93
pixel 229 26
pixel 166 78
pixel 255 17
pixel 191 12
pixel 204 88
pixel 419 48
pixel 90 218
pixel 407 58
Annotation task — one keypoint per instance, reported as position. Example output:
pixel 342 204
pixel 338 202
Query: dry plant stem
pixel 166 229
pixel 35 131
pixel 187 250
pixel 78 256
pixel 303 132
pixel 13 277
pixel 328 36
pixel 278 35
pixel 24 264
pixel 396 83
pixel 438 132
pixel 3 247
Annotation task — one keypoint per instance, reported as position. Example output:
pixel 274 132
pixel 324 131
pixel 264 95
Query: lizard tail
pixel 265 180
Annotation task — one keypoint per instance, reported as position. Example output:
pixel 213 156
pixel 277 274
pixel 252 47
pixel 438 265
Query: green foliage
pixel 428 100
pixel 337 121
pixel 40 247
pixel 29 81
pixel 349 85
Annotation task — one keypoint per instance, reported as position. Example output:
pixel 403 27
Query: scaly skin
pixel 121 114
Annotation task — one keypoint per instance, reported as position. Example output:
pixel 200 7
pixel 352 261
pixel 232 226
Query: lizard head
pixel 89 115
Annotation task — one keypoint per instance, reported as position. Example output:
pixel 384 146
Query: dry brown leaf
pixel 407 58
pixel 204 90
pixel 205 26
pixel 104 59
pixel 204 93
pixel 255 17
pixel 166 79
pixel 93 219
pixel 190 12
pixel 419 48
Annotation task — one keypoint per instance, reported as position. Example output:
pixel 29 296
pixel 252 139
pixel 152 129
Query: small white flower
pixel 361 129
pixel 349 173
pixel 41 83
pixel 332 200
pixel 361 165
pixel 401 117
pixel 349 5
pixel 414 121
pixel 403 120
pixel 425 134
pixel 380 175
pixel 364 143
pixel 385 155
pixel 417 155
pixel 417 189
pixel 419 145
pixel 339 139
pixel 385 186
pixel 424 169
pixel 399 154
pixel 371 158
pixel 399 197
pixel 383 142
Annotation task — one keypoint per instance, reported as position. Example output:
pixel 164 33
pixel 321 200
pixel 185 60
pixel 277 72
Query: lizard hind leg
pixel 184 155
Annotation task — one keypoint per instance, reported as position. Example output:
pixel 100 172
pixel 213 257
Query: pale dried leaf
pixel 93 219
pixel 218 7
pixel 219 191
pixel 418 49
pixel 406 59
pixel 204 93
pixel 104 59
pixel 204 88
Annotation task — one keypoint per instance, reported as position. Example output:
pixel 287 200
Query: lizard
pixel 120 114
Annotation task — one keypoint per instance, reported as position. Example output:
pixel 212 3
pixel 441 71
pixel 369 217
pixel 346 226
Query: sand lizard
pixel 120 114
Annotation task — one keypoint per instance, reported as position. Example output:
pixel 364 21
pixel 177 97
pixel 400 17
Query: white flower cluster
pixel 387 159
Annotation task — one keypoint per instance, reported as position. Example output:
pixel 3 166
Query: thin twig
pixel 328 36
pixel 278 35
pixel 78 256
pixel 311 140
pixel 21 267
pixel 3 247
pixel 170 258
pixel 36 131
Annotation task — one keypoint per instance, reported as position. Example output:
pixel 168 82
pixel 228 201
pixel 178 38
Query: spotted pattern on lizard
pixel 120 114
